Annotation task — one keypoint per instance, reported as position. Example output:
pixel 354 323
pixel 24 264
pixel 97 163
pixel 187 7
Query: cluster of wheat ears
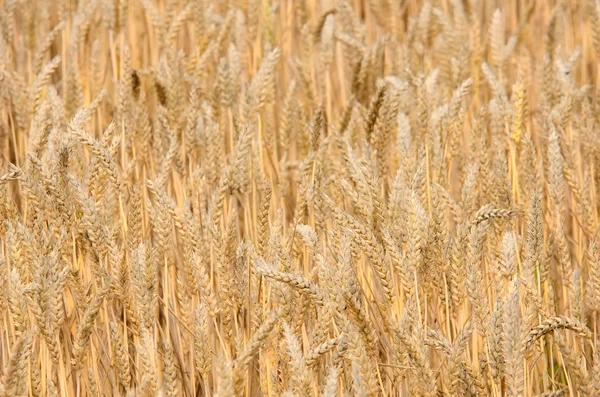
pixel 299 198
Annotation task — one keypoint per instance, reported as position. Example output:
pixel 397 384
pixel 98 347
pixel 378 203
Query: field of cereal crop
pixel 299 198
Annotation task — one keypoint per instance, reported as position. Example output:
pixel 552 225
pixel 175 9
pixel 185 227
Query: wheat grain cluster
pixel 299 198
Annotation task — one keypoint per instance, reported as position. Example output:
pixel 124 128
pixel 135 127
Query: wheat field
pixel 299 198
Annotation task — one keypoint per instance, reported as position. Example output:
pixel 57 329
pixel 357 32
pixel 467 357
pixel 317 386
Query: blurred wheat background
pixel 299 198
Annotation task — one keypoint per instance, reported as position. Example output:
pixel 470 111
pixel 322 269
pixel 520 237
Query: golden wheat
pixel 299 198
